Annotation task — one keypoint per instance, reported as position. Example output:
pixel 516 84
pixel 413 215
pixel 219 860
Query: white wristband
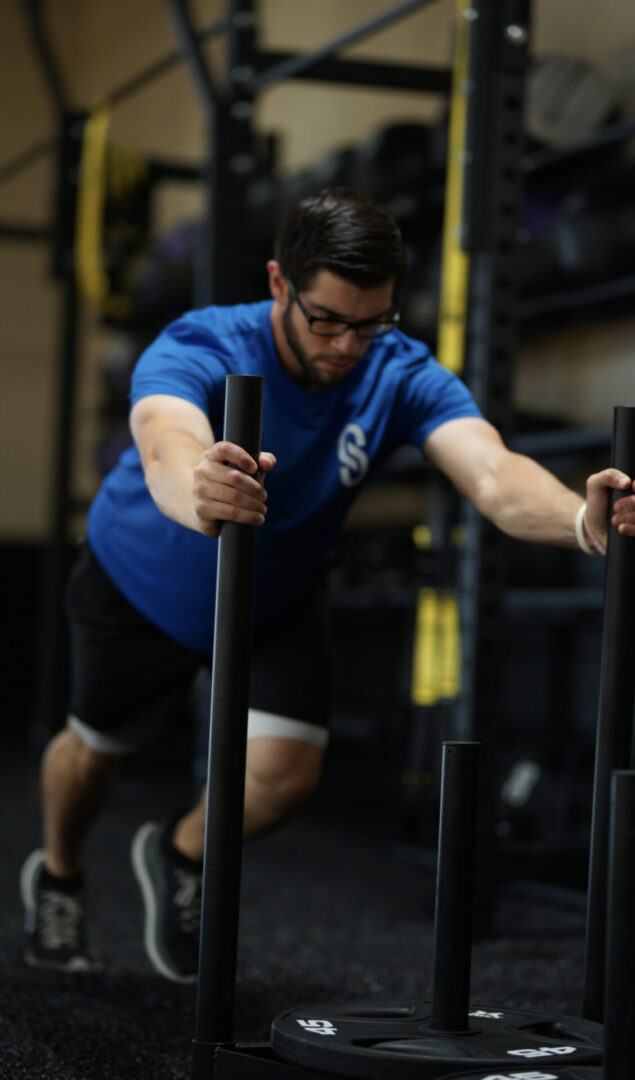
pixel 598 549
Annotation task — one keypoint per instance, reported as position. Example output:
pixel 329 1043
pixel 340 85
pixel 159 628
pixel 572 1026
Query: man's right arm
pixel 192 478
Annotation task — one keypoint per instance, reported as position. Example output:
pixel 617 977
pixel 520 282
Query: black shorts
pixel 129 681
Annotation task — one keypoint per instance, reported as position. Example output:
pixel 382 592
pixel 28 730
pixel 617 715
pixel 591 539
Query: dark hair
pixel 346 233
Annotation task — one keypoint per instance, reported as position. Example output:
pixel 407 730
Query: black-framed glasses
pixel 334 327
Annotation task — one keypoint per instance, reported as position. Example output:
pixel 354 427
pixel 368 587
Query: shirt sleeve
pixel 430 396
pixel 187 360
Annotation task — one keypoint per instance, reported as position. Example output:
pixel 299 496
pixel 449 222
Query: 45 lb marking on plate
pixel 521 1076
pixel 318 1027
pixel 542 1051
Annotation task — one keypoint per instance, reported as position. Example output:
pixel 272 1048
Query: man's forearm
pixel 169 476
pixel 529 503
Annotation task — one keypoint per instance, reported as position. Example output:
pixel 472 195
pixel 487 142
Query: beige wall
pixel 317 117
pixel 28 308
pixel 579 375
pixel 100 45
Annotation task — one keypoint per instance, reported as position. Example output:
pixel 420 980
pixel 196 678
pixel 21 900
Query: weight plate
pixel 394 1039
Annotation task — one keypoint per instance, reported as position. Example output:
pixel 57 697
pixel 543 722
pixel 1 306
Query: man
pixel 342 388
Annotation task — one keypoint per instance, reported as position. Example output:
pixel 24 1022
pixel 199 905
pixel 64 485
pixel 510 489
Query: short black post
pixel 615 716
pixel 452 957
pixel 619 1013
pixel 227 751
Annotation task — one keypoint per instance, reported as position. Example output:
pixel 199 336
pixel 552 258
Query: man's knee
pixel 282 774
pixel 87 763
pixel 291 790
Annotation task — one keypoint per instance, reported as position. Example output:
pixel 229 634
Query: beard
pixel 314 378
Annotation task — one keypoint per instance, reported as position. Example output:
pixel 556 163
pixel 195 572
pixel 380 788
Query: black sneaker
pixel 171 889
pixel 54 920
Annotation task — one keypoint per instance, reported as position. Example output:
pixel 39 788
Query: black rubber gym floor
pixel 326 914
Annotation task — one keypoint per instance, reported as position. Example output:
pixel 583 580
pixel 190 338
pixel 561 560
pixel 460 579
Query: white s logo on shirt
pixel 350 454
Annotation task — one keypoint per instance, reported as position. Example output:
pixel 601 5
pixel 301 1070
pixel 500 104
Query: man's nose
pixel 349 342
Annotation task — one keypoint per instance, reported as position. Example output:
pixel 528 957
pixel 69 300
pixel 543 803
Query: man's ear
pixel 277 283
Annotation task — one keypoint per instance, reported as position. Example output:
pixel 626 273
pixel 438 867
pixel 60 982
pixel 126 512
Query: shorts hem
pixel 262 724
pixel 96 740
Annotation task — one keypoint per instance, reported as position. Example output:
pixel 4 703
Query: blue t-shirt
pixel 327 443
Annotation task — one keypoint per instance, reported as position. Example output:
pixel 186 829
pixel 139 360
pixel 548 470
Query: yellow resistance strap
pixel 105 172
pixel 455 263
pixel 92 280
pixel 436 667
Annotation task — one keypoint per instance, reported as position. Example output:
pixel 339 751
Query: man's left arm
pixel 518 495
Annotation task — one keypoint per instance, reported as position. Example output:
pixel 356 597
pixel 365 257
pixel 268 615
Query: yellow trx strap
pixel 436 668
pixel 449 648
pixel 92 281
pixel 455 263
pixel 105 173
pixel 436 663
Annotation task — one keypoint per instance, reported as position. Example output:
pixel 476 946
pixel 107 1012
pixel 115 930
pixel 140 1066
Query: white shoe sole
pixel 27 891
pixel 149 902
pixel 77 964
